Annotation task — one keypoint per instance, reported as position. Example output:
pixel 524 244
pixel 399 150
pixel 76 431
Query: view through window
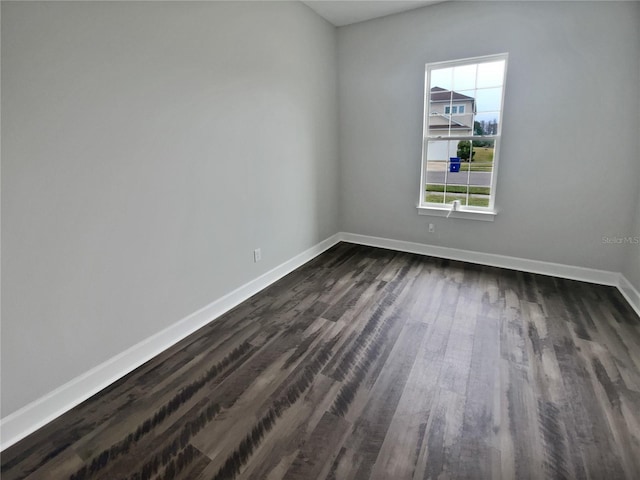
pixel 462 129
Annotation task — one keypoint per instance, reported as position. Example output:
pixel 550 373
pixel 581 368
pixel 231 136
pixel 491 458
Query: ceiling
pixel 346 12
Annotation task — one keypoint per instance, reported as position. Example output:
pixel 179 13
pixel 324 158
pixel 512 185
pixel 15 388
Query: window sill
pixel 485 215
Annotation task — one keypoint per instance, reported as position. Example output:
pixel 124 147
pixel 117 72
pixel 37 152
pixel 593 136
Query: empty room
pixel 298 240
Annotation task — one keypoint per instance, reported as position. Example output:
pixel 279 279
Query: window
pixel 455 109
pixel 462 129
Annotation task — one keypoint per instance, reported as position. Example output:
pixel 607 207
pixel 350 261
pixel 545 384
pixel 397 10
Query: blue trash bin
pixel 454 164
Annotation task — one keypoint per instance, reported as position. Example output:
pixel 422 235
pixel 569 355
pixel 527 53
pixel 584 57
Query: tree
pixel 480 128
pixel 464 150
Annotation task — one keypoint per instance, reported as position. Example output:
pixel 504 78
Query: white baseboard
pixel 35 415
pixel 630 293
pixel 601 277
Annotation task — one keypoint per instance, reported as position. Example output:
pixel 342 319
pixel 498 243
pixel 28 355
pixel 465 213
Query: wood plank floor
pixel 367 363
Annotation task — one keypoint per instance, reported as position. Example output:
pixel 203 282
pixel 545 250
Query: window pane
pixel 488 100
pixel 439 154
pixel 490 74
pixel 434 193
pixel 442 77
pixel 479 173
pixel 483 153
pixel 437 172
pixel 487 123
pixel 479 196
pixel 441 150
pixel 464 77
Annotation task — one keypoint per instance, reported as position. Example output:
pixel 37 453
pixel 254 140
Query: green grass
pixel 474 167
pixel 482 160
pixel 483 155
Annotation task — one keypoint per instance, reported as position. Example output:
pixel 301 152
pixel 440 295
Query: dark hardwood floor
pixel 368 363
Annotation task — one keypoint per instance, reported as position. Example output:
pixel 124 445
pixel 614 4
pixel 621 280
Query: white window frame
pixel 447 210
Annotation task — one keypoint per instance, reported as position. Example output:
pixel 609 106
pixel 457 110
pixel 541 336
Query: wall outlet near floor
pixel 432 228
pixel 257 255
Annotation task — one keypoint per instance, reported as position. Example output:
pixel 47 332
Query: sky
pixel 482 81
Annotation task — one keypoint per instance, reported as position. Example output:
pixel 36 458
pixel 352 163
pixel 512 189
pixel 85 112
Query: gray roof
pixel 441 95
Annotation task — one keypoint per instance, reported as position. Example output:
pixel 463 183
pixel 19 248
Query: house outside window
pixel 462 131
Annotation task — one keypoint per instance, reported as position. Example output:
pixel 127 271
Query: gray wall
pixel 568 171
pixel 147 149
pixel 631 268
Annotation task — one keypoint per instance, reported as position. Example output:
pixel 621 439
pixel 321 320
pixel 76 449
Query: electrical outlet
pixel 432 228
pixel 257 255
